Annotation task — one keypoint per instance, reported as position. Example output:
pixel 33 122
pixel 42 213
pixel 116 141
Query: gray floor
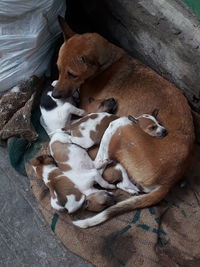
pixel 25 238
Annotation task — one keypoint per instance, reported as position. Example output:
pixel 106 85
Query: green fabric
pixel 54 221
pixel 20 151
pixel 194 5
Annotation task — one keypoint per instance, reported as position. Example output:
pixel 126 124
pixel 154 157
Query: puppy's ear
pixel 155 113
pixel 131 118
pixel 35 161
pixel 40 159
pixel 67 31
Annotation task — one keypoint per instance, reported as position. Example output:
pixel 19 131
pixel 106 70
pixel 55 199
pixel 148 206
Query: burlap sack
pixel 164 235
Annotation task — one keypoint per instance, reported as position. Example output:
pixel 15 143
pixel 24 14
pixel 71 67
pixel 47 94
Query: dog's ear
pixel 155 113
pixel 67 31
pixel 89 60
pixel 36 161
pixel 131 118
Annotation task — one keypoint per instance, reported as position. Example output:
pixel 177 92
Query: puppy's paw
pixel 110 186
pixel 102 163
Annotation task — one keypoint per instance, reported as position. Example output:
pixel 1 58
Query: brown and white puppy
pixel 89 130
pixel 56 113
pixel 103 70
pixel 76 164
pixel 64 194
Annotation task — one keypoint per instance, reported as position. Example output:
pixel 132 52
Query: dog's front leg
pixel 103 183
pixel 77 111
pixel 126 184
pixel 102 157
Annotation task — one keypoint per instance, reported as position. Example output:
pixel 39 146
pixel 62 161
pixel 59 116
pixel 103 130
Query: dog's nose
pixel 55 94
pixel 164 132
pixel 111 100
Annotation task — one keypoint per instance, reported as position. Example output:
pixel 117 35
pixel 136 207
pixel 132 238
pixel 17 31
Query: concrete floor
pixel 25 238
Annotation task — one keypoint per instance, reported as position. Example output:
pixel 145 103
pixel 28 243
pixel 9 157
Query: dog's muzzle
pixel 56 94
pixel 162 133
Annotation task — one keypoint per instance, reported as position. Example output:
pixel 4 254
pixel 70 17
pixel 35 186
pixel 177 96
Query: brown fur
pixel 112 73
pixel 99 201
pixel 60 184
pixel 97 134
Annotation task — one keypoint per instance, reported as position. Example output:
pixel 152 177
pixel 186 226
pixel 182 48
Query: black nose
pixel 111 100
pixel 164 132
pixel 55 94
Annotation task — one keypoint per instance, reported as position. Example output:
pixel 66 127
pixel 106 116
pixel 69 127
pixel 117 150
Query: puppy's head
pixel 149 124
pixel 42 160
pixel 99 201
pixel 101 105
pixel 39 162
pixel 80 58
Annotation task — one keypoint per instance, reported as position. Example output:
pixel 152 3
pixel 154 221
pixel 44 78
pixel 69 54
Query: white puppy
pixel 56 113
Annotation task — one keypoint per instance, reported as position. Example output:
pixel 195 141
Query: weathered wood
pixel 164 34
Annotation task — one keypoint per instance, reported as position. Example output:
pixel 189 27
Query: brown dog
pixel 104 70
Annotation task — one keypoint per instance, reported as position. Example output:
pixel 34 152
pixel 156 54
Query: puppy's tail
pixel 130 204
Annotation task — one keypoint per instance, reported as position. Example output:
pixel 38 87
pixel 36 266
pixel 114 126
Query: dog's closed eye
pixel 71 75
pixel 152 127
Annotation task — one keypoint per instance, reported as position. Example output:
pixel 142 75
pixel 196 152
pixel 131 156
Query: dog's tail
pixel 130 204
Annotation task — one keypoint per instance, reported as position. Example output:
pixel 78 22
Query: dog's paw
pixel 111 186
pixel 102 163
pixel 132 191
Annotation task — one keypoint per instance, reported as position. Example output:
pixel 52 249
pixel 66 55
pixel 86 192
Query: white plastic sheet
pixel 28 30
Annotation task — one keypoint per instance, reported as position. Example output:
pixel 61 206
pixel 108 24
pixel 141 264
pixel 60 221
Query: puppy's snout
pixel 164 132
pixel 56 94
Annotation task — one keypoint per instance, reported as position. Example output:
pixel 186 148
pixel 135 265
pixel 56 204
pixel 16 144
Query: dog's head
pixel 100 105
pixel 39 162
pixel 81 57
pixel 149 124
pixel 42 160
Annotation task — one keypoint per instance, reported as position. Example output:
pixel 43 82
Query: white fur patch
pixel 54 83
pixel 82 173
pixel 47 169
pixel 72 205
pixel 60 116
pixel 85 129
pixel 55 205
pixel 102 154
pixel 126 184
pixel 97 219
